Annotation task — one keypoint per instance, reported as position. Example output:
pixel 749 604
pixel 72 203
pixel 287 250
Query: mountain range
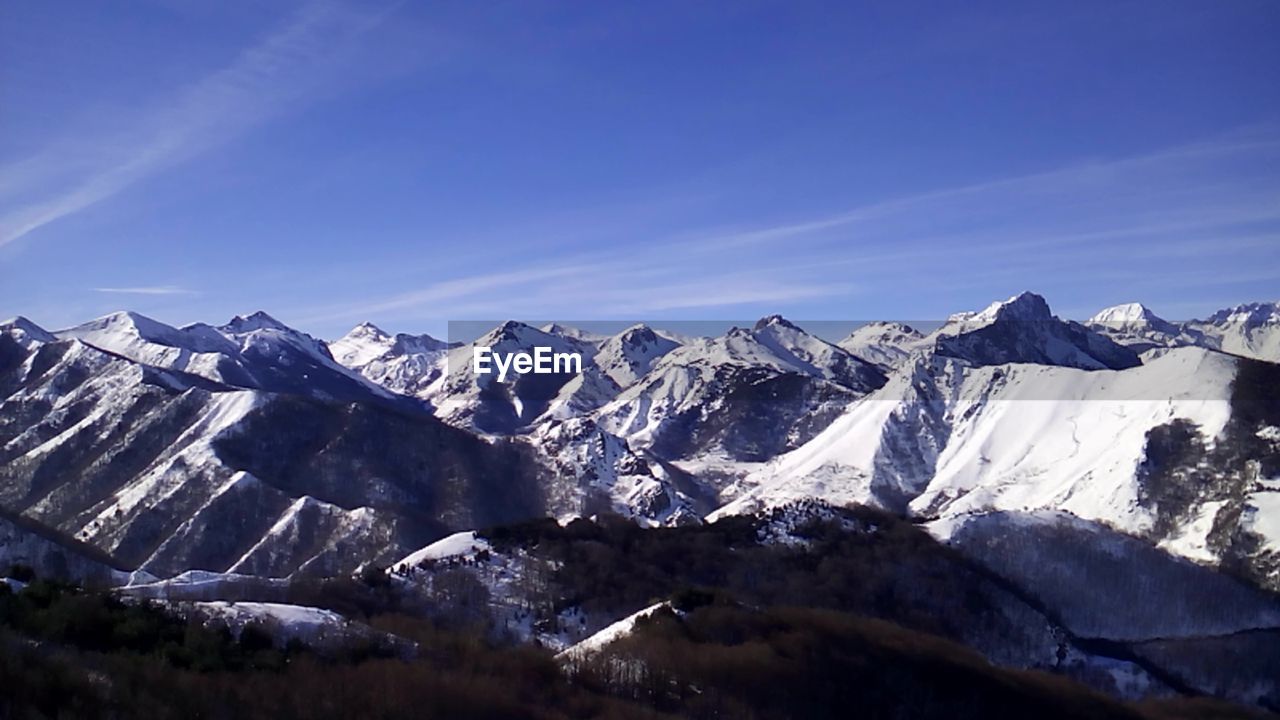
pixel 253 450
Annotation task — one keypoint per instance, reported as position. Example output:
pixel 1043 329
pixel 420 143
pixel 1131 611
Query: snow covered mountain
pixel 255 352
pixel 1128 455
pixel 1006 409
pixel 629 355
pixel 592 471
pixel 1251 330
pixel 168 470
pixel 1022 329
pixel 28 543
pixel 739 398
pixel 405 364
pixel 886 344
pixel 1138 328
pixel 487 404
pixel 1131 318
pixel 1175 450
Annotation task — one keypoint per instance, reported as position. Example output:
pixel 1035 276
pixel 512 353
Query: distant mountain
pixel 1131 317
pixel 886 344
pixel 1176 450
pixel 744 397
pixel 1023 330
pixel 254 352
pixel 406 364
pixel 254 447
pixel 629 355
pixel 1075 469
pixel 1251 330
pixel 487 404
pixel 168 470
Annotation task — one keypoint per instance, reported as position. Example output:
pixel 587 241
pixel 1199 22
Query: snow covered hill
pixel 30 544
pixel 1131 317
pixel 945 436
pixel 591 471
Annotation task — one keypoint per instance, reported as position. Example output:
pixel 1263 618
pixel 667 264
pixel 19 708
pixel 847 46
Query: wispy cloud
pixel 262 81
pixel 1128 188
pixel 1178 213
pixel 147 290
pixel 444 297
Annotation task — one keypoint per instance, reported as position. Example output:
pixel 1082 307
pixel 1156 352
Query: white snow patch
pixel 1191 540
pixel 610 634
pixel 457 545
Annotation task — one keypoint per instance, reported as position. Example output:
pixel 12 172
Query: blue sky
pixel 415 163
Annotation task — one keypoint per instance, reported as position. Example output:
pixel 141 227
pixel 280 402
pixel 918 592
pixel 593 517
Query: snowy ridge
pixel 463 545
pixel 629 355
pixel 1131 316
pixel 203 585
pixel 592 645
pixel 151 484
pixel 320 629
pixel 254 352
pixel 886 344
pixel 1251 330
pixel 702 386
pixel 595 471
pixel 26 333
pixel 1022 329
pixel 946 438
pixel 405 364
pixel 23 542
pixel 482 402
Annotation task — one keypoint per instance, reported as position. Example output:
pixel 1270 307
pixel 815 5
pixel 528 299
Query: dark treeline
pixel 853 626
pixel 718 660
pixel 721 660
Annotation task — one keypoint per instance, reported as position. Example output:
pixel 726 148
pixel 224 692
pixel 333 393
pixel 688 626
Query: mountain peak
pixel 1249 314
pixel 884 328
pixel 1023 306
pixel 775 321
pixel 259 320
pixel 405 343
pixel 23 330
pixel 367 329
pixel 1123 313
pixel 637 328
pixel 521 334
pixel 1131 319
pixel 1022 329
pixel 511 328
pixel 124 323
pixel 638 333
